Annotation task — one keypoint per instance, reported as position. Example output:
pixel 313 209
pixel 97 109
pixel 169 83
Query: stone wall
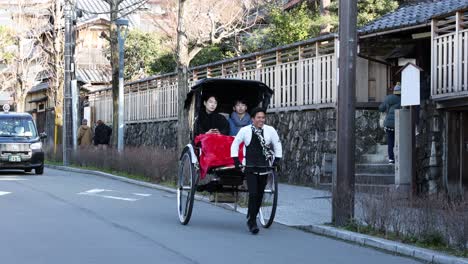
pixel 308 138
pixel 429 148
pixel 162 134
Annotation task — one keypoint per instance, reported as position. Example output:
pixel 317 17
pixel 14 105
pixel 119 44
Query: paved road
pixel 63 217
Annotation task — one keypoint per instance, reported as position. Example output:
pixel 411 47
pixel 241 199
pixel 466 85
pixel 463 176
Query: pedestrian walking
pixel 102 134
pixel 239 118
pixel 389 105
pixel 85 134
pixel 262 149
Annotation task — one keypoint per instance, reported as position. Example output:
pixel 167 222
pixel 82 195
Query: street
pixel 63 217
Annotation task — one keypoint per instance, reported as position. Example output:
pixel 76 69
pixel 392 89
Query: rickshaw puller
pixel 257 138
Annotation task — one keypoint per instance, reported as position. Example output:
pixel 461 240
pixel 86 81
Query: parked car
pixel 20 143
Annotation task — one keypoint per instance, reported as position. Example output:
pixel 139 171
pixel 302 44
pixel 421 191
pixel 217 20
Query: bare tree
pixel 117 9
pixel 37 49
pixel 57 64
pixel 53 46
pixel 7 54
pixel 7 79
pixel 325 12
pixel 31 21
pixel 202 23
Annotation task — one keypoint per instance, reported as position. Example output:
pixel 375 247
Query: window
pixel 17 127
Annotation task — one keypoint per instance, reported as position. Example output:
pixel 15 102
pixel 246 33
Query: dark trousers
pixel 256 185
pixel 391 142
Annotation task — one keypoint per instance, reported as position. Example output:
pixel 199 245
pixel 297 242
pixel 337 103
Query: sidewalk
pixel 301 206
pixel 310 209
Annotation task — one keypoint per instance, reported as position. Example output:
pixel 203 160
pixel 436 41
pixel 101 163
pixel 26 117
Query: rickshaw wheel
pixel 270 200
pixel 186 187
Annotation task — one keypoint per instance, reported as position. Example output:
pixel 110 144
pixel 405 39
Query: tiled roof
pixel 93 76
pixel 413 15
pixel 39 87
pixel 93 9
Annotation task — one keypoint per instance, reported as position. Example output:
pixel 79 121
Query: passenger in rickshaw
pixel 262 149
pixel 239 118
pixel 212 137
pixel 209 121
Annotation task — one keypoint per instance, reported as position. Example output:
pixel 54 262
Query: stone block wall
pixel 161 134
pixel 429 143
pixel 308 138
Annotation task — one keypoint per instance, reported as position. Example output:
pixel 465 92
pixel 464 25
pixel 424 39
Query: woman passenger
pixel 209 121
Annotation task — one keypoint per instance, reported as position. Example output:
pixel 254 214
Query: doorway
pixel 457 152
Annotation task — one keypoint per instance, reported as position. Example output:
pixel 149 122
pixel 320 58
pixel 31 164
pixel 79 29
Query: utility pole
pixel 122 24
pixel 67 138
pixel 343 182
pixel 75 91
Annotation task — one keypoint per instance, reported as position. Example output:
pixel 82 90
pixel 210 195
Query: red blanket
pixel 215 151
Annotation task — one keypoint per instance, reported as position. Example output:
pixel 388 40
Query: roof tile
pixel 413 14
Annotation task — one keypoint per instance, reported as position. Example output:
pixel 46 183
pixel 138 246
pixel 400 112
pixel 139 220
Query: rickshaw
pixel 221 179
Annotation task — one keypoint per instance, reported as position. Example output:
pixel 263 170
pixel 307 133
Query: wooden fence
pixel 450 56
pixel 303 75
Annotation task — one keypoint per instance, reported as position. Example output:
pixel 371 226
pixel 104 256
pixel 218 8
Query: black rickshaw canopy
pixel 227 91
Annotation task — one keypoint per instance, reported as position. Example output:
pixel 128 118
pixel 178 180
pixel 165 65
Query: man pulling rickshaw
pixel 207 163
pixel 259 157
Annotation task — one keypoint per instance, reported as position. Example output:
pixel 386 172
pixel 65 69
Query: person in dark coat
pixel 210 122
pixel 102 134
pixel 389 105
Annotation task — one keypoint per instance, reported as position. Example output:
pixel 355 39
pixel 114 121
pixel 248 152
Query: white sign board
pixel 410 86
pixel 87 115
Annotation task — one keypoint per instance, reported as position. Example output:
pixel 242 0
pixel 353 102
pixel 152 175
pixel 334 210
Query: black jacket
pixel 207 121
pixel 102 134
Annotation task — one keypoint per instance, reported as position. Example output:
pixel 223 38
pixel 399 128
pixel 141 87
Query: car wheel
pixel 27 170
pixel 39 170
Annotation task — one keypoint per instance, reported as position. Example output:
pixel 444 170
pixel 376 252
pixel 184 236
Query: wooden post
pixel 334 69
pixel 343 186
pixel 457 56
pixel 277 88
pixel 317 76
pixel 300 78
pixel 258 66
pixel 433 58
pixel 413 149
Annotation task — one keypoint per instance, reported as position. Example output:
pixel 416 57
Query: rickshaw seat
pixel 215 152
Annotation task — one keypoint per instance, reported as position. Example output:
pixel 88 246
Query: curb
pixel 418 253
pixel 425 255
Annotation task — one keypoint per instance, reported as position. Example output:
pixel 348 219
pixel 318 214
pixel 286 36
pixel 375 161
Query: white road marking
pixel 100 193
pixel 119 198
pixel 11 178
pixel 95 191
pixel 4 193
pixel 142 194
